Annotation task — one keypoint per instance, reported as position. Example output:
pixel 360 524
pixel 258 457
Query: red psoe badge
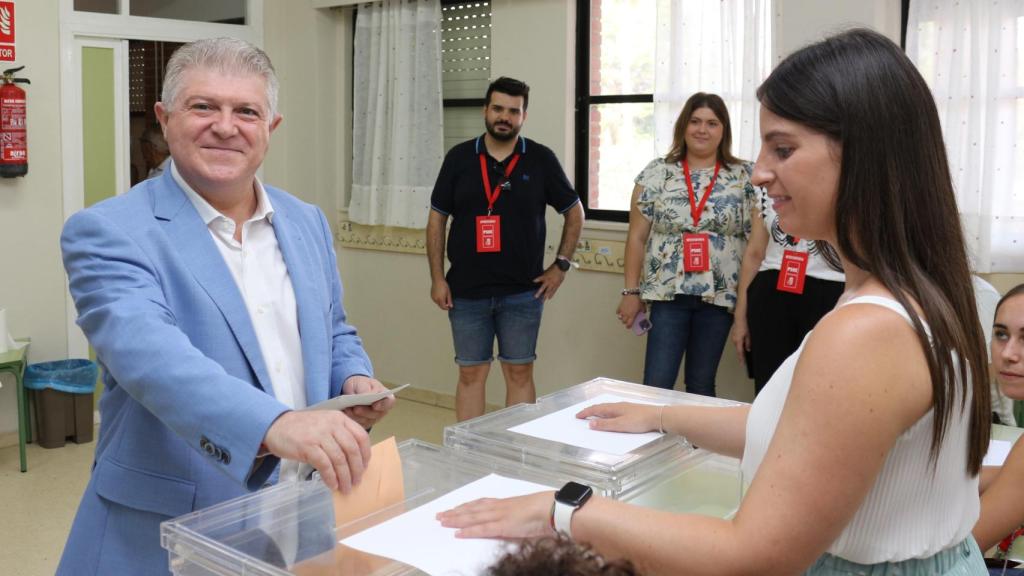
pixel 488 233
pixel 695 253
pixel 793 272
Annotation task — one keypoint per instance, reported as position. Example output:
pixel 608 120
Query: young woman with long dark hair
pixel 862 452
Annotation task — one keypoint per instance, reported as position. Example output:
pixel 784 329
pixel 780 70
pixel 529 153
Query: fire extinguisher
pixel 13 137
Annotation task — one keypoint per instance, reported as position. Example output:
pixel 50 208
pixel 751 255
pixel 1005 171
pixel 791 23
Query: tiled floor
pixel 36 508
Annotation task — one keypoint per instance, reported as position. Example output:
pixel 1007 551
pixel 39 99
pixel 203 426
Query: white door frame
pixel 85 29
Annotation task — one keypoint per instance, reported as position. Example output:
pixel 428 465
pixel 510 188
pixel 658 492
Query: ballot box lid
pixel 613 474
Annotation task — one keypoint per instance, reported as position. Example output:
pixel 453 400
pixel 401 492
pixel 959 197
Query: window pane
pixel 101 6
pixel 221 11
pixel 461 124
pixel 465 49
pixel 621 144
pixel 622 46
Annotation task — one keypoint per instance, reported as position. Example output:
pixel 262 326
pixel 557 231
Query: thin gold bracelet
pixel 661 419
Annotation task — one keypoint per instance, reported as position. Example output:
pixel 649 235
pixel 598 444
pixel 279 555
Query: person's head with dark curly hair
pixel 558 556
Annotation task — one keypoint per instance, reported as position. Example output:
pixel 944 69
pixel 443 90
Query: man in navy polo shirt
pixel 496 188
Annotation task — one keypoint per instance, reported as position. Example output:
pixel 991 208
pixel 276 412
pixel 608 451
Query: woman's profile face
pixel 1008 347
pixel 799 170
pixel 703 133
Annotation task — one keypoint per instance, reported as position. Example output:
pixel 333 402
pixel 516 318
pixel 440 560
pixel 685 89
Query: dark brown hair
pixel 1017 290
pixel 509 86
pixel 714 103
pixel 558 556
pixel 896 214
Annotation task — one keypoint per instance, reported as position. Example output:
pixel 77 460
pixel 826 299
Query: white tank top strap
pixel 891 304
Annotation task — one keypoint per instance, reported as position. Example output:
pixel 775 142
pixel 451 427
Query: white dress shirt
pixel 259 271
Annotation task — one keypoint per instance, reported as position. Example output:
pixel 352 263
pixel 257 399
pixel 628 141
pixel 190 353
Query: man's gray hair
pixel 229 56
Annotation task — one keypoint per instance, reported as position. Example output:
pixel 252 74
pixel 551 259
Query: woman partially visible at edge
pixel 864 449
pixel 1002 507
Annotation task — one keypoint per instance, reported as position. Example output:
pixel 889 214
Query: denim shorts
pixel 514 319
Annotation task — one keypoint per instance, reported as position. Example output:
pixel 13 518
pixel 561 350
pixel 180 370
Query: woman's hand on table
pixel 623 417
pixel 507 518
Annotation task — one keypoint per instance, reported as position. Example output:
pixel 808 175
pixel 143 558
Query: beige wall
pixel 386 294
pixel 32 283
pixel 800 22
pixel 307 47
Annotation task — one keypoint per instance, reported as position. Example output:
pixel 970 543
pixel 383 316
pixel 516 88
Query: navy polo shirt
pixel 538 181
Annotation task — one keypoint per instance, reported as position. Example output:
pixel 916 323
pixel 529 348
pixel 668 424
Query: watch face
pixel 574 494
pixel 563 265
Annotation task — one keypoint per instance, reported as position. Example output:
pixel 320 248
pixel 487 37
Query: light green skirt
pixel 964 559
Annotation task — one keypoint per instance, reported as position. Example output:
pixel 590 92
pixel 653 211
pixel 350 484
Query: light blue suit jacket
pixel 188 398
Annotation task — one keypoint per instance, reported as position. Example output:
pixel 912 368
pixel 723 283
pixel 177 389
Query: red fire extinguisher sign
pixel 7 53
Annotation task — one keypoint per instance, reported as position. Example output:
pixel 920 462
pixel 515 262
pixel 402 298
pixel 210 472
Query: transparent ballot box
pixel 611 473
pixel 291 528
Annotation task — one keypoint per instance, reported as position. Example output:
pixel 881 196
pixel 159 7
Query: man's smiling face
pixel 218 129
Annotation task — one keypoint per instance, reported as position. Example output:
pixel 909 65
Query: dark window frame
pixel 583 102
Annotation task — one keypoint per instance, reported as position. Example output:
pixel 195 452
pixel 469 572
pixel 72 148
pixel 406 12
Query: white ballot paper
pixel 564 427
pixel 418 539
pixel 350 400
pixel 998 450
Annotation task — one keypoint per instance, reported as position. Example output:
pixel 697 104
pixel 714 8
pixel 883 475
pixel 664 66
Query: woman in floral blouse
pixel 688 225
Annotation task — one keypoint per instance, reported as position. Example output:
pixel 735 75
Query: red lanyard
pixel 697 209
pixel 492 197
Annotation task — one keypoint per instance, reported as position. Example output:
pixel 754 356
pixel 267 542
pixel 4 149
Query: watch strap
pixel 561 517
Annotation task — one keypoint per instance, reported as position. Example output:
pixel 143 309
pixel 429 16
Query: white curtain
pixel 718 46
pixel 397 138
pixel 970 53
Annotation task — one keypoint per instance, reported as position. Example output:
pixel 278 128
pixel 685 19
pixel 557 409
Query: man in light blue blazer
pixel 214 305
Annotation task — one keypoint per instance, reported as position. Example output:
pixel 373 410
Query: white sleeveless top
pixel 911 511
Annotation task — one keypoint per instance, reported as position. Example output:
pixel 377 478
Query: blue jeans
pixel 672 324
pixel 514 319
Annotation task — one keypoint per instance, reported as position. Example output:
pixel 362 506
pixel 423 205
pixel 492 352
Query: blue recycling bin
pixel 64 405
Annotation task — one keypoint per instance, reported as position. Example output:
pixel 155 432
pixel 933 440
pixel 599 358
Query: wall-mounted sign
pixel 6 31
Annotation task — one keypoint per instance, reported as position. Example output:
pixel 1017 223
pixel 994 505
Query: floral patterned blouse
pixel 664 200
